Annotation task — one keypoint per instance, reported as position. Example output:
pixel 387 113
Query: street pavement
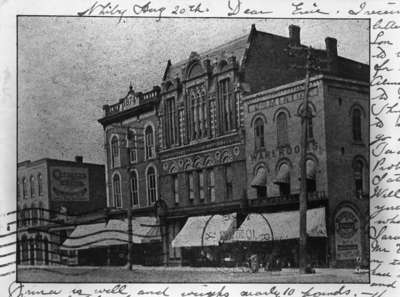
pixel 141 274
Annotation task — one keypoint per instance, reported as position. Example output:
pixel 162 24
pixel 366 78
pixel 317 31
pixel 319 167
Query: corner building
pixel 202 140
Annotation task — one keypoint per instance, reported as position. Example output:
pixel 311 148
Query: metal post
pixel 303 169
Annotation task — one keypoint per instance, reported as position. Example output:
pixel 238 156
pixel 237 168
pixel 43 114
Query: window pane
pixel 282 132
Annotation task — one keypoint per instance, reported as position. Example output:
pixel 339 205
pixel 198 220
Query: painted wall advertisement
pixel 347 235
pixel 69 184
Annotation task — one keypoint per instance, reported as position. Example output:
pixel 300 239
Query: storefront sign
pixel 69 184
pixel 347 235
pixel 282 152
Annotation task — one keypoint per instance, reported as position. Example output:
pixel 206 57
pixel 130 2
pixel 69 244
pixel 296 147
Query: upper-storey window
pixel 132 146
pixel 211 184
pixel 40 184
pixel 175 187
pixel 117 191
pixel 149 142
pixel 191 185
pixel 134 188
pixel 170 122
pixel 197 117
pixel 151 185
pixel 114 151
pixel 32 186
pixel 228 105
pixel 282 129
pixel 259 134
pixel 24 188
pixel 356 121
pixel 360 177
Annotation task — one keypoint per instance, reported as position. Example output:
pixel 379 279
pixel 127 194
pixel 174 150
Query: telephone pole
pixel 305 115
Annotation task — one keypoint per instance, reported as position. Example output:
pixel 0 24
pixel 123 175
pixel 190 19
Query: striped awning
pixel 260 180
pixel 144 230
pixel 85 236
pixel 283 176
pixel 205 231
pixel 280 226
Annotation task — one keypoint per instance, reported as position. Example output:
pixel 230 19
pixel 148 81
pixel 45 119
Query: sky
pixel 69 67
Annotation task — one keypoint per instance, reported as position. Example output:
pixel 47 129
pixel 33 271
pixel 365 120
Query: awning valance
pixel 280 226
pixel 310 169
pixel 260 180
pixel 205 231
pixel 283 176
pixel 85 236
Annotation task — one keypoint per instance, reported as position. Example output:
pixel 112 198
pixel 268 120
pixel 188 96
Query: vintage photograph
pixel 199 150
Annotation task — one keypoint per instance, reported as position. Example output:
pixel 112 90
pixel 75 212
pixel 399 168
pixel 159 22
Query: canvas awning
pixel 260 180
pixel 85 236
pixel 283 176
pixel 205 231
pixel 144 230
pixel 280 226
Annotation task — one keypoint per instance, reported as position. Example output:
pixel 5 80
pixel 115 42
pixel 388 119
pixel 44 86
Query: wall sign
pixel 347 235
pixel 69 183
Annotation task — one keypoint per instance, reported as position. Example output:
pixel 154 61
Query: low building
pixel 52 192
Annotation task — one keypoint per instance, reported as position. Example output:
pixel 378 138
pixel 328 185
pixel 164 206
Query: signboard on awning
pixel 280 226
pixel 208 230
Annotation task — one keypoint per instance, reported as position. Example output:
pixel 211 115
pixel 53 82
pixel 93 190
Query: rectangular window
pixel 201 185
pixel 170 121
pixel 175 188
pixel 40 184
pixel 228 181
pixel 211 184
pixel 227 103
pixel 132 147
pixel 181 134
pixel 197 112
pixel 191 186
pixel 134 190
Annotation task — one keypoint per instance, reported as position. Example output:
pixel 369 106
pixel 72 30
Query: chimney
pixel 294 35
pixel 331 47
pixel 79 159
pixel 331 54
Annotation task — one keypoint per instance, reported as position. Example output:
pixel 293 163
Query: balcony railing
pixel 130 102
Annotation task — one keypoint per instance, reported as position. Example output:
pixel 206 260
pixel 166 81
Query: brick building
pixel 202 139
pixel 49 193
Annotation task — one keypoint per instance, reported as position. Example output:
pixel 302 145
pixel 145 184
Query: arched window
pixel 282 129
pixel 311 176
pixel 117 191
pixel 40 184
pixel 149 142
pixel 151 185
pixel 259 134
pixel 24 188
pixel 360 178
pixel 32 186
pixel 356 119
pixel 26 216
pixel 132 146
pixel 283 179
pixel 114 151
pixel 134 188
pixel 39 248
pixel 31 251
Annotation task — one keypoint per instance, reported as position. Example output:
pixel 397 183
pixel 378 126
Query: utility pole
pixel 130 245
pixel 303 169
pixel 305 115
